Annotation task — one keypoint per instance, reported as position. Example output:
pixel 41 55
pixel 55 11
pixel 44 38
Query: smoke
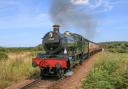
pixel 67 14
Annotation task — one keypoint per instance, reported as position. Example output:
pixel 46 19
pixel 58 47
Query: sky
pixel 24 22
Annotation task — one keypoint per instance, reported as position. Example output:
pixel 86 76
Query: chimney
pixel 56 28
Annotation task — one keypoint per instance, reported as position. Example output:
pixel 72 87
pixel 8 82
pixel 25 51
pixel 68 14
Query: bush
pixel 120 47
pixel 3 49
pixel 3 56
pixel 109 72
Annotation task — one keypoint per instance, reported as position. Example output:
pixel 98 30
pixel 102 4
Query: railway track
pixel 30 84
pixel 39 84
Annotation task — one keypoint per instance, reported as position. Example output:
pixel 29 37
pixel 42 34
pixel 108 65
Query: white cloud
pixel 79 2
pixel 98 5
pixel 105 5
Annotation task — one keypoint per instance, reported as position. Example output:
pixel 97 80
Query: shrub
pixel 120 47
pixel 109 72
pixel 3 56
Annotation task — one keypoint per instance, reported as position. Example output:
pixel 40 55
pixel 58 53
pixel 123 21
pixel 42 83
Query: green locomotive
pixel 63 51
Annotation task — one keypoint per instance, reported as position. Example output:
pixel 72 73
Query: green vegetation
pixel 13 71
pixel 21 49
pixel 19 66
pixel 110 72
pixel 3 56
pixel 117 47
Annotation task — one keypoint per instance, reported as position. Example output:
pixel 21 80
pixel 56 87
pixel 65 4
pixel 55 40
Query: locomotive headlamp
pixel 65 51
pixel 58 65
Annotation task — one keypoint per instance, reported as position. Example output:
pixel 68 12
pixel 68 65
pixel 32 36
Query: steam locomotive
pixel 62 52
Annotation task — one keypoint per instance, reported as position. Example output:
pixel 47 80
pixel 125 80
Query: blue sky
pixel 25 22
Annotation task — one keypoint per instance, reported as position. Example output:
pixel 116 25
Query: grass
pixel 16 65
pixel 109 72
pixel 13 71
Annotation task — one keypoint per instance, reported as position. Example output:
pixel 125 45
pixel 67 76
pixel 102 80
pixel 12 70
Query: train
pixel 62 52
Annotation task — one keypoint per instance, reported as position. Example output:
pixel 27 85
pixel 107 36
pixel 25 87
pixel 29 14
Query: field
pixel 109 72
pixel 116 47
pixel 16 65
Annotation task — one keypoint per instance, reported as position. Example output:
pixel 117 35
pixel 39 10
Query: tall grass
pixel 109 72
pixel 18 66
pixel 12 71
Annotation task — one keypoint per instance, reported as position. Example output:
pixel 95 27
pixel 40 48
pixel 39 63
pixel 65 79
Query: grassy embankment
pixel 18 68
pixel 110 70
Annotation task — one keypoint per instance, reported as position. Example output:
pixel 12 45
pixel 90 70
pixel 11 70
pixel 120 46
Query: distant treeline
pixel 120 47
pixel 20 49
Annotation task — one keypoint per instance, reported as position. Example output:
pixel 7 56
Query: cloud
pixel 79 2
pixel 97 5
pixel 102 5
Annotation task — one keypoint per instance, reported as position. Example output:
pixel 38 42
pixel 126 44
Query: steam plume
pixel 65 13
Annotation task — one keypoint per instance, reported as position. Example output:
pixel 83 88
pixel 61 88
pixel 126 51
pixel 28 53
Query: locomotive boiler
pixel 62 52
pixel 68 43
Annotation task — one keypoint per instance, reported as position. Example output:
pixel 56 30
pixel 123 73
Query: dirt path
pixel 73 82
